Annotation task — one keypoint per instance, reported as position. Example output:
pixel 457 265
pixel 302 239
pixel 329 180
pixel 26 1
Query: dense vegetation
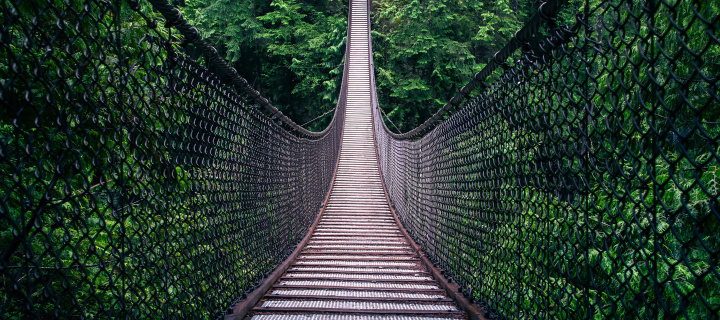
pixel 88 184
pixel 292 50
pixel 583 184
pixel 424 51
pixel 133 183
pixel 56 79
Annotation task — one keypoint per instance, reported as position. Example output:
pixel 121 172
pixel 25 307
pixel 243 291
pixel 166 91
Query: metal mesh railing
pixel 134 181
pixel 582 181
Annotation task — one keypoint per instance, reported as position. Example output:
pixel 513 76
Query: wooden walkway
pixel 357 264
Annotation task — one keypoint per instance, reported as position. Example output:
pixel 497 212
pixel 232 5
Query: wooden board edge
pixel 474 311
pixel 243 307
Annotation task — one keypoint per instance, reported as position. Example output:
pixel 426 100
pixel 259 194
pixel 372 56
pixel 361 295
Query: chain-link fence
pixel 582 182
pixel 134 182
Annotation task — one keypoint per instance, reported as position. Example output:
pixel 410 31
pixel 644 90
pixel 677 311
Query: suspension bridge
pixel 574 177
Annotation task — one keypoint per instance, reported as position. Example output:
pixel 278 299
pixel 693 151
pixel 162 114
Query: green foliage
pixel 290 50
pixel 425 50
pixel 129 173
pixel 70 82
pixel 97 201
pixel 585 185
pixel 421 50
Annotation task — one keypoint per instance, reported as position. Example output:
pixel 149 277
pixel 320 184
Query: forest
pixel 424 51
pixel 131 174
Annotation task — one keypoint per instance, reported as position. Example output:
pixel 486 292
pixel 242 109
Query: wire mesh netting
pixel 134 182
pixel 582 182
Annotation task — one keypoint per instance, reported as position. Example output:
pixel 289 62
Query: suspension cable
pixel 318 117
pixel 389 120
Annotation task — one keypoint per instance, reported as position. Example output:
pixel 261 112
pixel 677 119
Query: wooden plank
pixel 356 311
pixel 331 297
pixel 355 214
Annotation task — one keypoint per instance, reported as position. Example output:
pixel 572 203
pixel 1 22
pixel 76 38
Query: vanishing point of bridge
pixel 357 261
pixel 575 176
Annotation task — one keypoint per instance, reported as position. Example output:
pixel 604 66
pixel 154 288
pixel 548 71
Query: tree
pixel 290 50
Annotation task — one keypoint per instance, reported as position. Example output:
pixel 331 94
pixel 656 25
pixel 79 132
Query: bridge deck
pixel 357 263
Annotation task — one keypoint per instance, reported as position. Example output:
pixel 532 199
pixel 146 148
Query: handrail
pixel 582 182
pixel 242 307
pixel 136 181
